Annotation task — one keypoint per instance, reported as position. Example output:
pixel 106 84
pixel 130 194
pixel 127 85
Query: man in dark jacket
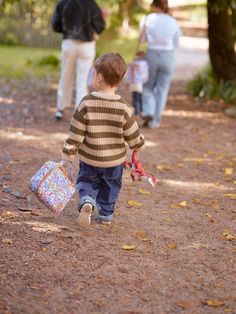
pixel 80 22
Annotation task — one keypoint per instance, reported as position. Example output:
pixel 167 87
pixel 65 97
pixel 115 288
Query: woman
pixel 162 34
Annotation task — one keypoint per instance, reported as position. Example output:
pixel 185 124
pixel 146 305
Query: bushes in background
pixel 205 85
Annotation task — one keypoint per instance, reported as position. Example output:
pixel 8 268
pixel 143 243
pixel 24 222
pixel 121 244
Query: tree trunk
pixel 221 43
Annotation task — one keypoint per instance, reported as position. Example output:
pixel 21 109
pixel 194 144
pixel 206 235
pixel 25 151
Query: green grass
pixel 125 45
pixel 20 62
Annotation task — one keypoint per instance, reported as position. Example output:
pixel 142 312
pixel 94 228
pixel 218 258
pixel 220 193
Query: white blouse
pixel 161 31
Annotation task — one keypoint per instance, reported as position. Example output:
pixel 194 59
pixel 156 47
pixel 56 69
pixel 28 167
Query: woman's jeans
pixel 100 187
pixel 77 59
pixel 155 92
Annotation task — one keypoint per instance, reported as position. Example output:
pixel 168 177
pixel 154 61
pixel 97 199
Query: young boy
pixel 100 127
pixel 137 76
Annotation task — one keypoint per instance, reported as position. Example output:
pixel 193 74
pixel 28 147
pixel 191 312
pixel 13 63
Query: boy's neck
pixel 107 90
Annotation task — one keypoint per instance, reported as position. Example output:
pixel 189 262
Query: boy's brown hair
pixel 112 67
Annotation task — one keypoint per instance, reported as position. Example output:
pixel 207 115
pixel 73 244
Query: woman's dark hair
pixel 162 4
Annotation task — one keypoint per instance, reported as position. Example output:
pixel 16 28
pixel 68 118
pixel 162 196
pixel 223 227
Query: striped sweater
pixel 100 127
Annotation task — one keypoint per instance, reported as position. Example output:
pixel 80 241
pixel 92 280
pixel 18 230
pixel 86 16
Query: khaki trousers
pixel 77 59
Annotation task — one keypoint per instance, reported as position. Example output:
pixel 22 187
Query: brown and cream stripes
pixel 99 129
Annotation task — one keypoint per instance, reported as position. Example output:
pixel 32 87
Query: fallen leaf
pixel 228 235
pixel 213 303
pixel 144 192
pixel 142 236
pixel 7 241
pixel 171 245
pixel 234 182
pixel 208 215
pixel 34 287
pixel 184 304
pixel 9 214
pixel 164 168
pixel 128 247
pixel 165 212
pixel 229 171
pixel 196 160
pixel 181 204
pixel 135 203
pixel 231 196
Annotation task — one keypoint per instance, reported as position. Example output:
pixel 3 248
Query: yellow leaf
pixel 234 182
pixel 214 303
pixel 182 204
pixel 209 152
pixel 142 236
pixel 231 196
pixel 164 212
pixel 229 171
pixel 134 203
pixel 208 215
pixel 184 304
pixel 196 160
pixel 128 247
pixel 228 235
pixel 171 245
pixel 144 192
pixel 164 167
pixel 7 241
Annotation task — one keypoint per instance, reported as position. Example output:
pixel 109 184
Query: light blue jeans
pixel 155 92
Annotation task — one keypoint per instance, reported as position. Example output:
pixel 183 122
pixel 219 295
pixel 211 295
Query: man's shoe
pixel 84 218
pixel 59 115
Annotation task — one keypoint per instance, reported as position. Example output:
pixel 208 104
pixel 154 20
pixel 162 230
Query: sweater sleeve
pixel 57 17
pixel 77 133
pixel 131 132
pixel 98 22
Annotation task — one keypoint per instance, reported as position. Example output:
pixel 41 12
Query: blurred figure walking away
pixel 80 22
pixel 162 35
pixel 137 75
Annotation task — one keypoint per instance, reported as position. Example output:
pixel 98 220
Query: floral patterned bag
pixel 52 186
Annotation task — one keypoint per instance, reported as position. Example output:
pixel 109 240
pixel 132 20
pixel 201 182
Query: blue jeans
pixel 155 92
pixel 100 187
pixel 137 102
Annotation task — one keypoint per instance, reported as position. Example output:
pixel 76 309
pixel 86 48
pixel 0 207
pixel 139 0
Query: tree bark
pixel 221 43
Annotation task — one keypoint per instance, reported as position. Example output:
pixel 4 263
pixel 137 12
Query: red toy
pixel 138 173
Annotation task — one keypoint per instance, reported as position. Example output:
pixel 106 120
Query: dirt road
pixel 183 232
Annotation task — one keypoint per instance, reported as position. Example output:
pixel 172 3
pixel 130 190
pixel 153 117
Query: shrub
pixel 205 85
pixel 48 60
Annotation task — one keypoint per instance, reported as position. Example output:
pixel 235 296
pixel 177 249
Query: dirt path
pixel 183 231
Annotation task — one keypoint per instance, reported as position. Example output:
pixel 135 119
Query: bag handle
pixel 70 170
pixel 141 34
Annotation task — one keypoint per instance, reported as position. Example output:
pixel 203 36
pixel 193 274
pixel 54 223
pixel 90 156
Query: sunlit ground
pixel 197 186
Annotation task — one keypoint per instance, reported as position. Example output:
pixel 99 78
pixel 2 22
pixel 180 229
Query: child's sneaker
pixel 84 218
pixel 59 115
